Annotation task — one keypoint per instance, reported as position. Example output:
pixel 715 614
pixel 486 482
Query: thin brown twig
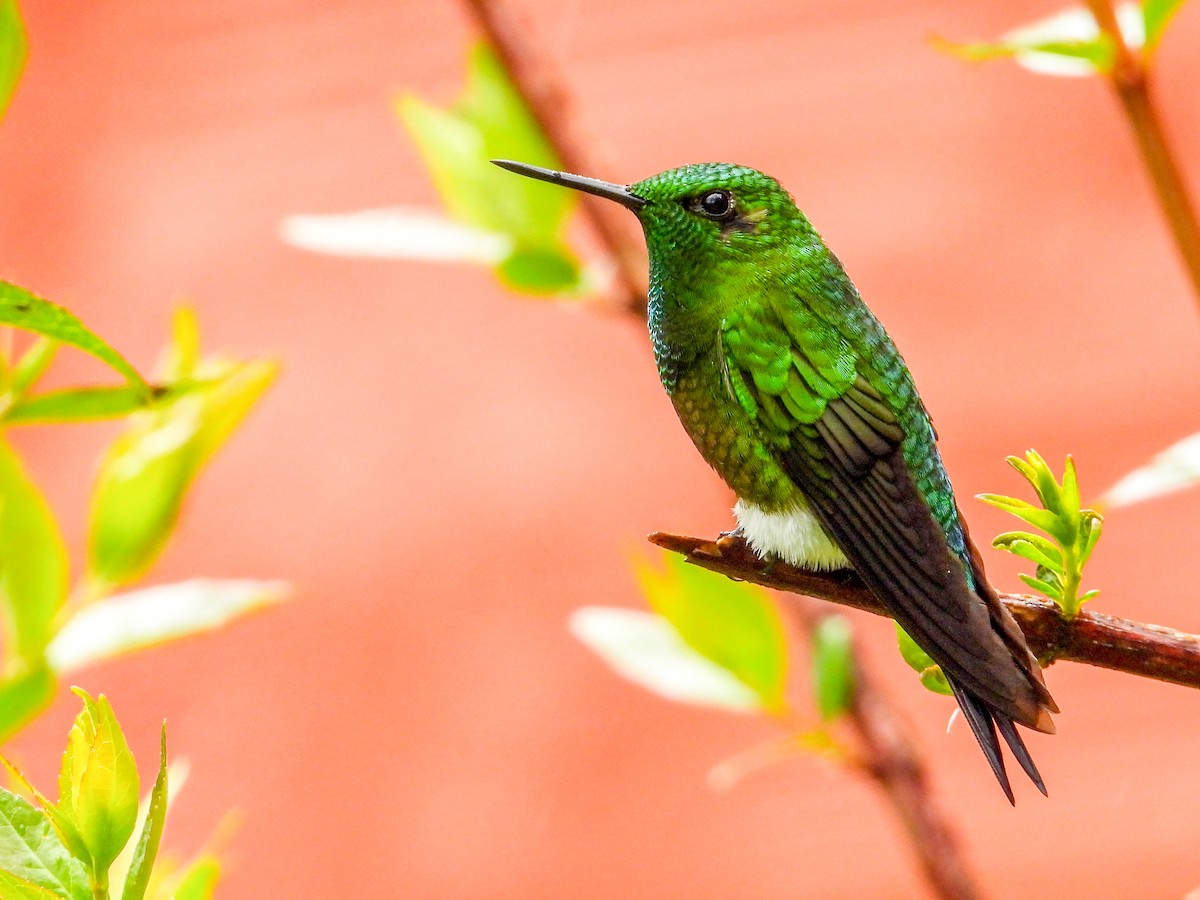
pixel 539 81
pixel 893 762
pixel 1152 651
pixel 1130 78
pixel 890 759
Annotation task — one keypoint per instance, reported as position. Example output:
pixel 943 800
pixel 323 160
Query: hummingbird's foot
pixel 770 562
pixel 726 538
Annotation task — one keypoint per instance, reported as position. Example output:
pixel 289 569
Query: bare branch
pixel 1151 651
pixel 1130 78
pixel 891 760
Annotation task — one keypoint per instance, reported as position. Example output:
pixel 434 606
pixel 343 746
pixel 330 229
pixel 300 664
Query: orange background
pixel 445 471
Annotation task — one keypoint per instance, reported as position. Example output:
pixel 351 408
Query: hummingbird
pixel 793 392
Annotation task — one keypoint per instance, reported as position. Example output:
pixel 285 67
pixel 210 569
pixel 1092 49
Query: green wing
pixel 836 436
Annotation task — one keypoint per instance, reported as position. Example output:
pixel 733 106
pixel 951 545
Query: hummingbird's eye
pixel 716 205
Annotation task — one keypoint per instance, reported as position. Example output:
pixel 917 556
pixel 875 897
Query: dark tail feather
pixel 979 717
pixel 1017 746
pixel 984 722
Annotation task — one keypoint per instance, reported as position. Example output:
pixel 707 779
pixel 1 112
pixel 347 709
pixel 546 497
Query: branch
pixel 1130 78
pixel 537 78
pixel 1151 651
pixel 892 761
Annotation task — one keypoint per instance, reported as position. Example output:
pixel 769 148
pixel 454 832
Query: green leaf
pixel 492 120
pixel 31 850
pixel 149 468
pixel 1091 524
pixel 98 783
pixel 33 363
pixel 183 356
pixel 1050 589
pixel 14 888
pixel 922 663
pixel 24 696
pixel 76 405
pixel 645 648
pixel 1156 15
pixel 115 626
pixel 199 880
pixel 833 667
pixel 23 309
pixel 33 562
pixel 13 50
pixel 1032 547
pixel 144 854
pixel 734 624
pixel 1026 512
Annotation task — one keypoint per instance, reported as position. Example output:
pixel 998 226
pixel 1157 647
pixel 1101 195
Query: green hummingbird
pixel 793 392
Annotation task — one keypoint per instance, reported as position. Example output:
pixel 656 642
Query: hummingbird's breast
pixel 724 434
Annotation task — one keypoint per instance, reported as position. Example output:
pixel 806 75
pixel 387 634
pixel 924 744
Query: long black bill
pixel 609 191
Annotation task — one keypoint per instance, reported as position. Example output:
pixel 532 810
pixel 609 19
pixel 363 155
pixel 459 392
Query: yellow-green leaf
pixel 33 563
pixel 199 880
pixel 30 850
pixel 147 846
pixel 736 625
pixel 24 696
pixel 492 120
pixel 23 309
pixel 922 663
pixel 98 782
pixel 833 666
pixel 114 626
pixel 13 50
pixel 149 468
pixel 645 648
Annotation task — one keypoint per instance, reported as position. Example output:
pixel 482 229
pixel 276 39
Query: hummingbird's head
pixel 716 210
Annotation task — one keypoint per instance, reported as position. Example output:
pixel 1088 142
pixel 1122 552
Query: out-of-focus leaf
pixel 138 877
pixel 922 663
pixel 817 742
pixel 76 405
pixel 33 562
pixel 183 355
pixel 1173 469
pixel 1156 15
pixel 492 120
pixel 13 50
pixel 33 364
pixel 124 623
pixel 397 232
pixel 23 309
pixel 31 850
pixel 199 880
pixel 833 667
pixel 24 696
pixel 731 623
pixel 148 469
pixel 1068 43
pixel 98 782
pixel 646 649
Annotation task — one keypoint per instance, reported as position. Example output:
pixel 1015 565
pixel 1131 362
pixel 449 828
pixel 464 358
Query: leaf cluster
pixel 51 626
pixel 1069 534
pixel 78 848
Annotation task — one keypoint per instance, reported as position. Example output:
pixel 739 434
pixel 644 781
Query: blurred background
pixel 445 471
